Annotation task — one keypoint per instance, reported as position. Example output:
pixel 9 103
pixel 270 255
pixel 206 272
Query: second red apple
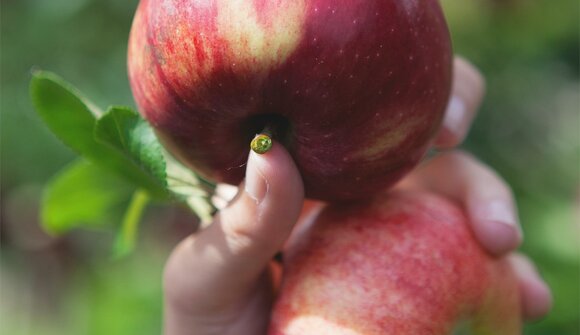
pixel 403 264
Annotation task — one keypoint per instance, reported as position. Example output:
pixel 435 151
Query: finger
pixel 227 258
pixel 223 195
pixel 486 198
pixel 536 296
pixel 467 93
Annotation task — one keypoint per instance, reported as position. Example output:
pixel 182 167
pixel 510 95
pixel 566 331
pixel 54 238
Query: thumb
pixel 268 205
pixel 223 262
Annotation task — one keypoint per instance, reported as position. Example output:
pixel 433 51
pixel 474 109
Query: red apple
pixel 354 89
pixel 404 264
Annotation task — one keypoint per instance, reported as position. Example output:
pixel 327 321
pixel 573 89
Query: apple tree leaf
pixel 68 115
pixel 123 156
pixel 83 195
pixel 126 132
pixel 73 119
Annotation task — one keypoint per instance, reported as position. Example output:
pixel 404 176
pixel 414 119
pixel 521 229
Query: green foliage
pixel 124 155
pixel 83 194
pixel 118 140
pixel 126 131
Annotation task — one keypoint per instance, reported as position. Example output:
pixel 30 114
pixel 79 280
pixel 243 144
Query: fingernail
pixel 256 185
pixel 455 115
pixel 500 212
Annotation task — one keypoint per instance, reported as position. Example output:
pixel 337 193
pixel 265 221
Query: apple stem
pixel 262 142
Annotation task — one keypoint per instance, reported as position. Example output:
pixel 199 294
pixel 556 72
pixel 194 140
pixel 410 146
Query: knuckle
pixel 244 238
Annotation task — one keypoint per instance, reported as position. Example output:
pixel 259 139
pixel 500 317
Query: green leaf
pixel 83 195
pixel 127 133
pixel 120 141
pixel 73 119
pixel 70 116
pixel 129 228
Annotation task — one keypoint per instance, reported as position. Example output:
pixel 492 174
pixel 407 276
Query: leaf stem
pixel 129 228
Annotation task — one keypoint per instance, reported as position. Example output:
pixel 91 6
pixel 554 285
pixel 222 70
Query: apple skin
pixel 404 264
pixel 354 89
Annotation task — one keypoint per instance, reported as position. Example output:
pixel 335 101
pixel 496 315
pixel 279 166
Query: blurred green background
pixel 528 131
